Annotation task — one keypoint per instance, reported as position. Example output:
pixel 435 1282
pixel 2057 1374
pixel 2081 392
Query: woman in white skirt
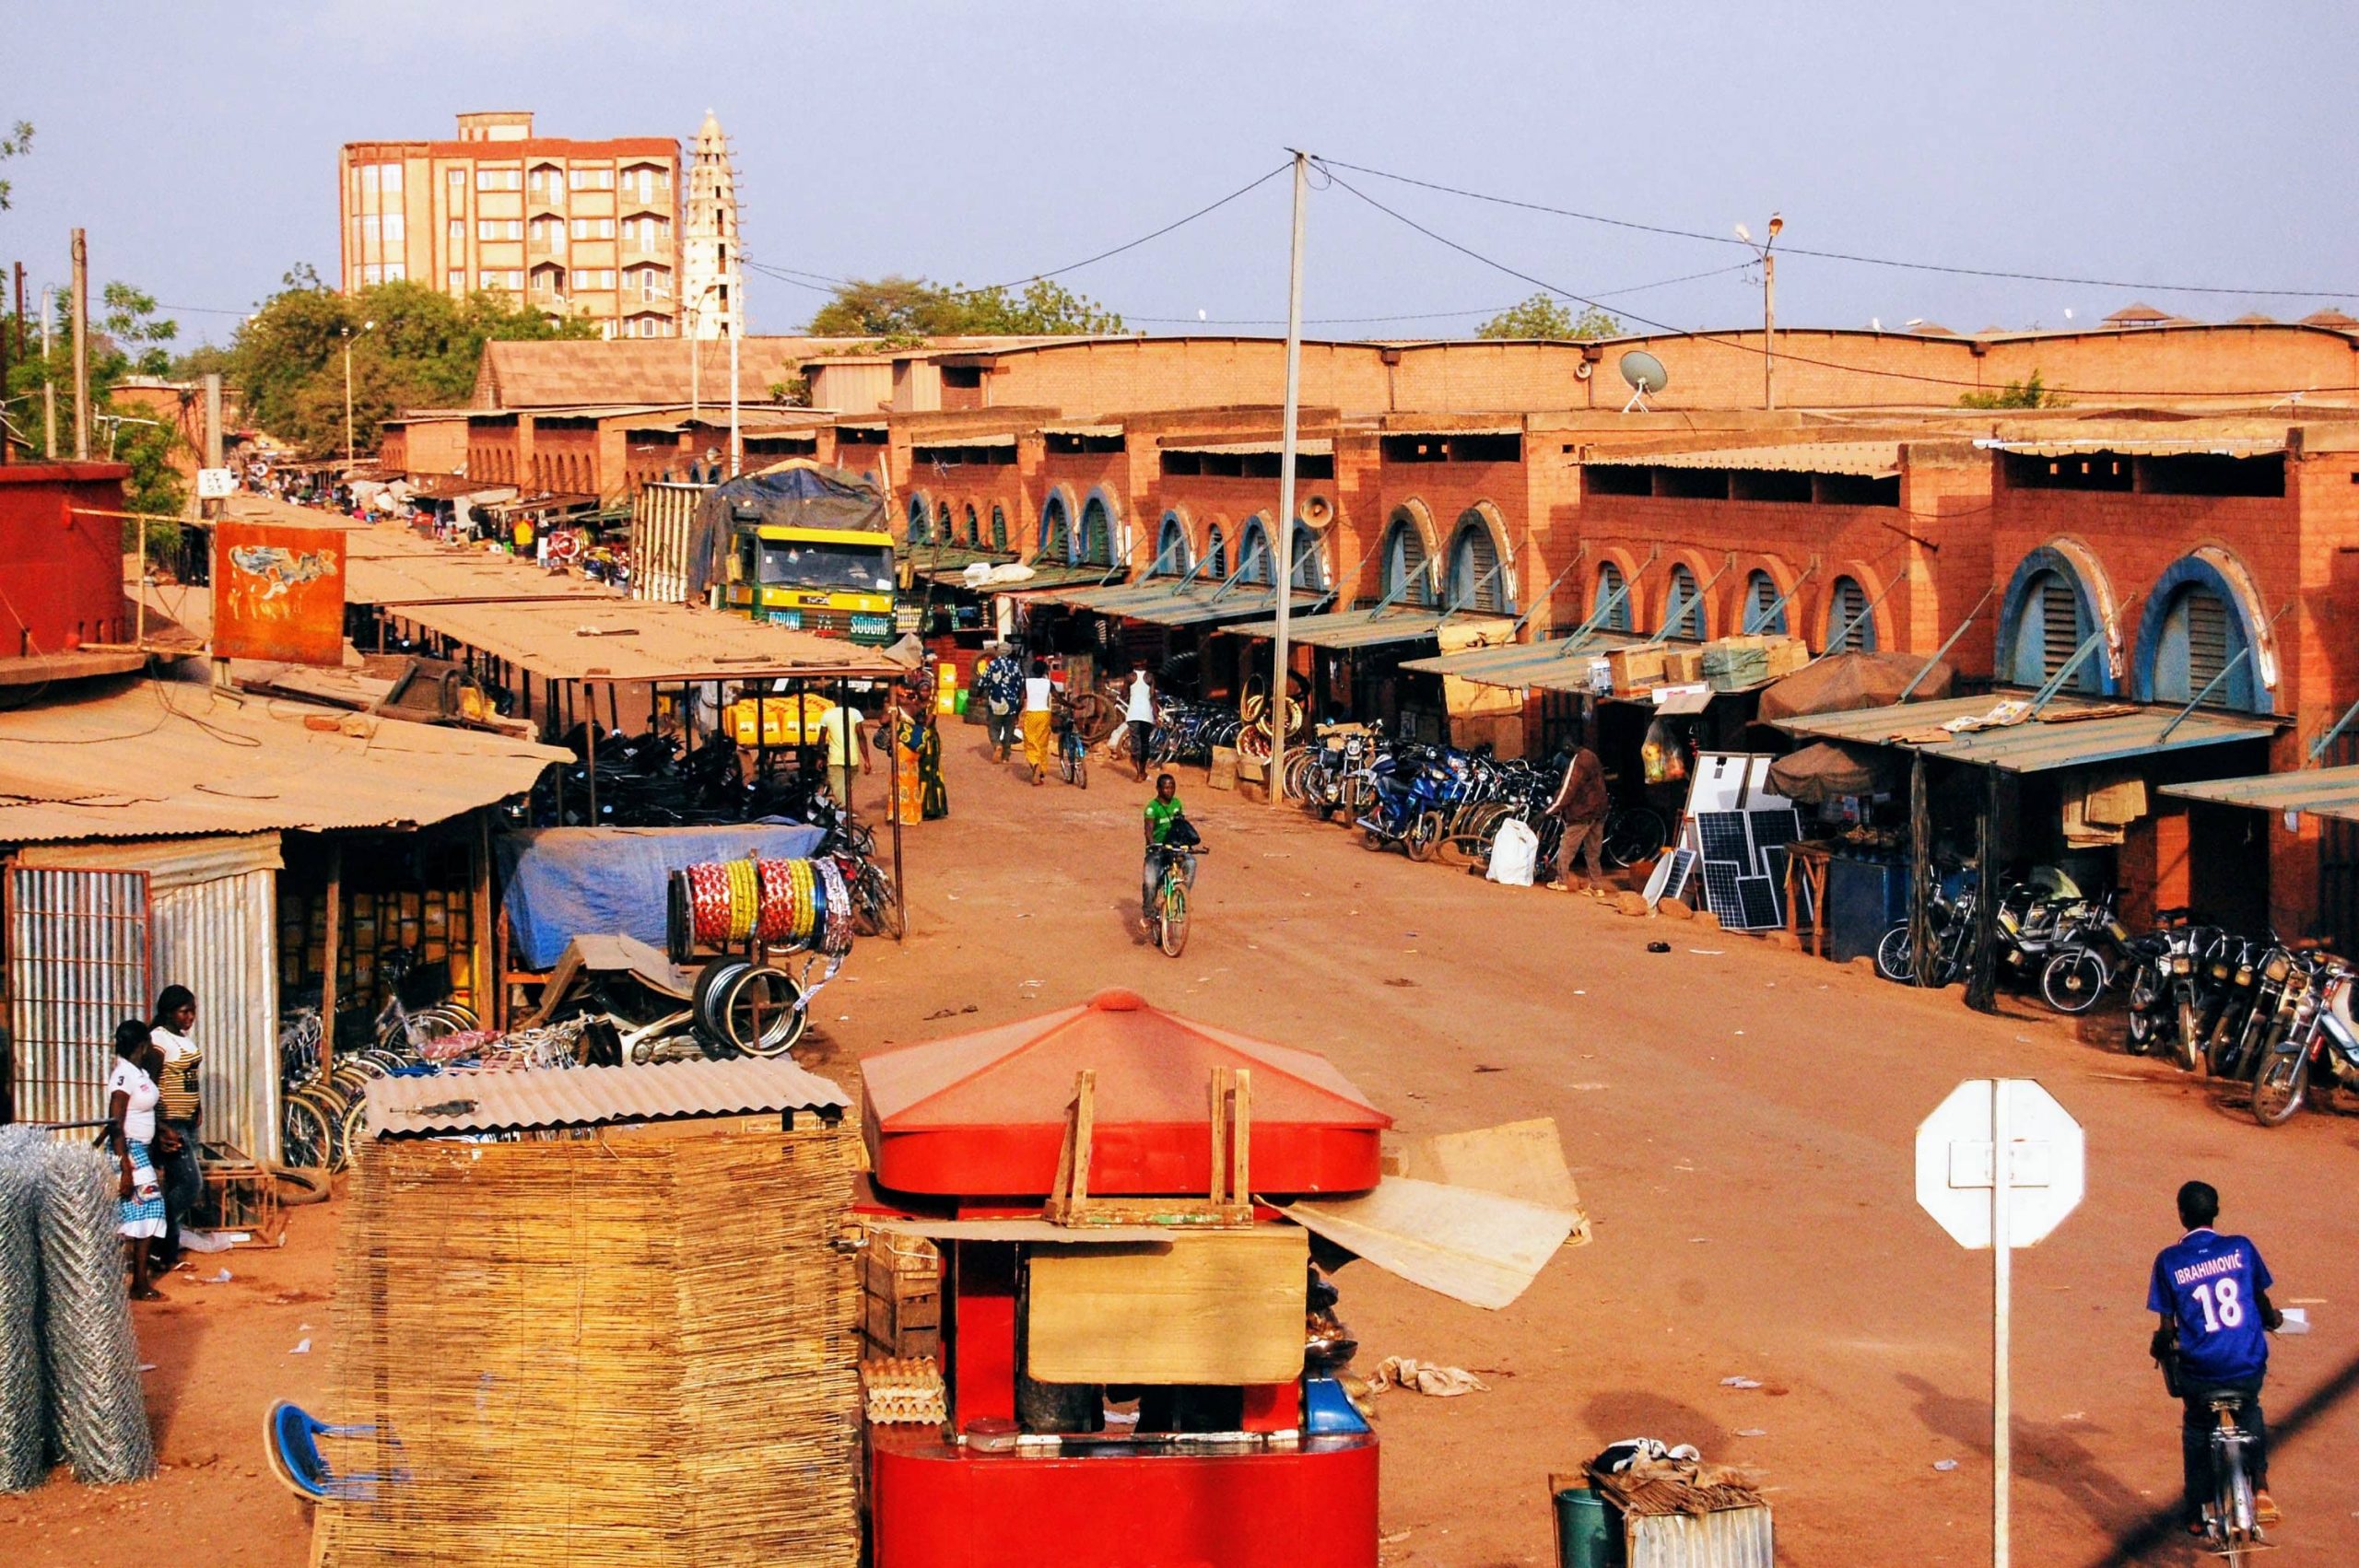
pixel 132 1094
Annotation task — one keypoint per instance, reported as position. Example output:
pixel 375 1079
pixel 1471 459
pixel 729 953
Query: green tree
pixel 905 312
pixel 2015 395
pixel 412 346
pixel 15 144
pixel 126 339
pixel 1543 316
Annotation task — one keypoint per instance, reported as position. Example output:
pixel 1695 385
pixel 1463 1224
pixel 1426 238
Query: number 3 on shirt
pixel 2223 1304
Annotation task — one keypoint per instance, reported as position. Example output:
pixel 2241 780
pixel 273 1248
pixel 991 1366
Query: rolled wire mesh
pixel 93 1359
pixel 24 1394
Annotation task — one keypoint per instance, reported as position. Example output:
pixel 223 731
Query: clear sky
pixel 2151 144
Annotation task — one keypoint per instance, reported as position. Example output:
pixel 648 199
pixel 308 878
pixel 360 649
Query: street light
pixel 345 334
pixel 1768 306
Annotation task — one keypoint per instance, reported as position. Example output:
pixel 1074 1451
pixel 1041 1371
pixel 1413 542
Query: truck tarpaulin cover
pixel 795 495
pixel 568 882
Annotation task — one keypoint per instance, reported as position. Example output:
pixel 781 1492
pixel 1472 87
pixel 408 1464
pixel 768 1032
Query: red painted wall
pixel 61 574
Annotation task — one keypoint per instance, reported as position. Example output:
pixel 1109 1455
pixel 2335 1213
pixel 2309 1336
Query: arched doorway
pixel 1478 578
pixel 1764 609
pixel 1056 531
pixel 1253 555
pixel 1683 608
pixel 1309 562
pixel 1170 549
pixel 2052 610
pixel 1610 604
pixel 1216 555
pixel 1406 567
pixel 920 515
pixel 2202 629
pixel 1097 532
pixel 999 529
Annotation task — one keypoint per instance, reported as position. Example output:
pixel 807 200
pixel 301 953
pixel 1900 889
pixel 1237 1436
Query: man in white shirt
pixel 1138 712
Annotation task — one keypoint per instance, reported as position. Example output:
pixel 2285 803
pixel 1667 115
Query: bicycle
pixel 1168 918
pixel 2231 1522
pixel 1072 754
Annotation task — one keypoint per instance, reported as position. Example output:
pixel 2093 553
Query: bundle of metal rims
pixel 745 1006
pixel 797 904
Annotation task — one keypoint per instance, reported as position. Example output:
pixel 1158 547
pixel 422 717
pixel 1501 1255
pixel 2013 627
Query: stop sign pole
pixel 2009 1138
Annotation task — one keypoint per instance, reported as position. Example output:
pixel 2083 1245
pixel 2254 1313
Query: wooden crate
pixel 900 1302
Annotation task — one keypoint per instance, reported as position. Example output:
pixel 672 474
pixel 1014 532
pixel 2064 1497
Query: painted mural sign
pixel 278 593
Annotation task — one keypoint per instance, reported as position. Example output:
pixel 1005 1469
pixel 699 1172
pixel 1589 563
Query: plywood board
pixel 1518 1159
pixel 1213 1308
pixel 1477 1247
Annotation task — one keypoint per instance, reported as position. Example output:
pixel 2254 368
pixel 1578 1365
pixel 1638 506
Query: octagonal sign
pixel 2046 1171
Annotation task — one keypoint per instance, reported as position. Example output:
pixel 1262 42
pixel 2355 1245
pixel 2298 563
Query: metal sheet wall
pixel 1733 1537
pixel 215 938
pixel 77 966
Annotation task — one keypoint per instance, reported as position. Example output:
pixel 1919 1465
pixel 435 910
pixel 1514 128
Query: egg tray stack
pixel 904 1391
pixel 436 924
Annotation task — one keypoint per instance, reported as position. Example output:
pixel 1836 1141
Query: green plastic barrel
pixel 1584 1530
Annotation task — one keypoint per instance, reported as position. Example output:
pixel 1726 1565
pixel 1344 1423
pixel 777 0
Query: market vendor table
pixel 1806 865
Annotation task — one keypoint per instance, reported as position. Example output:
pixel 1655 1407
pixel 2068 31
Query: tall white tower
pixel 712 280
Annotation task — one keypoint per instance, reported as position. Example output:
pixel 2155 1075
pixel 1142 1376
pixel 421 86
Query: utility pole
pixel 48 381
pixel 736 438
pixel 6 359
pixel 81 347
pixel 1279 652
pixel 1765 252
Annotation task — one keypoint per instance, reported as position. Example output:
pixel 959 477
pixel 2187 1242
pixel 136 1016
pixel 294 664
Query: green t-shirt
pixel 1160 815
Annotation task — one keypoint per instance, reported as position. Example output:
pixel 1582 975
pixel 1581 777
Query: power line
pixel 1847 255
pixel 1421 315
pixel 1785 356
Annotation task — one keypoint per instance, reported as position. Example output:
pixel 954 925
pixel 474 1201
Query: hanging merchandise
pixel 1661 754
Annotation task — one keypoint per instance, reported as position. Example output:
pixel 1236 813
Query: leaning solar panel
pixel 1757 903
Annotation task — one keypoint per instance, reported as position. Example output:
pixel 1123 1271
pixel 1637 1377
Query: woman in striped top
pixel 179 1113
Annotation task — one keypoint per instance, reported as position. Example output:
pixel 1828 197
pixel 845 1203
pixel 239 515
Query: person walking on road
pixel 1138 712
pixel 1580 805
pixel 845 743
pixel 1001 684
pixel 2211 1293
pixel 180 1111
pixel 132 1097
pixel 1039 696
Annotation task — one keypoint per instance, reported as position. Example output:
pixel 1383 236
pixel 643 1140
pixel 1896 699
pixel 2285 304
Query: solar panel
pixel 1720 894
pixel 1757 903
pixel 1782 825
pixel 1669 878
pixel 1723 837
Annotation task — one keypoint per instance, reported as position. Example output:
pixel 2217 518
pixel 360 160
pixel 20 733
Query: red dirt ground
pixel 1740 1119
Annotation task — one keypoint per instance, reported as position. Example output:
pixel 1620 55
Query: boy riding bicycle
pixel 2211 1293
pixel 1168 829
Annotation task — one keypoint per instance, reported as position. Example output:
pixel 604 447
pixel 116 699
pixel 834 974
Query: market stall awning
pixel 1552 665
pixel 2071 732
pixel 458 576
pixel 1056 579
pixel 634 641
pixel 1199 605
pixel 1869 459
pixel 595 1096
pixel 166 758
pixel 2328 792
pixel 1371 629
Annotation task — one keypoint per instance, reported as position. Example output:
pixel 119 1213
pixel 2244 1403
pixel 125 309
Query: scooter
pixel 2321 1043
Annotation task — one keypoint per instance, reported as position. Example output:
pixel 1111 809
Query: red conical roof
pixel 983 1115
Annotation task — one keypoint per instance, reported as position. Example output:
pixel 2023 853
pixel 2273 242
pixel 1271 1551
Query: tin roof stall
pixel 2040 778
pixel 1138 1345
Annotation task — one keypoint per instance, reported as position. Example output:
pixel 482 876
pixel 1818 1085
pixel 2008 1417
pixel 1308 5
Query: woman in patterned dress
pixel 132 1097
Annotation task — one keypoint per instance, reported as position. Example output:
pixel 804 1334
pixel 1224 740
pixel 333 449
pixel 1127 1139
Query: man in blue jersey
pixel 2212 1294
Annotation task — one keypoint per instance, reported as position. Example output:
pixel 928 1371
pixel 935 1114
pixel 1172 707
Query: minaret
pixel 711 282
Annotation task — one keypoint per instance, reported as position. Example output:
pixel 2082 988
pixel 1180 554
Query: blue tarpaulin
pixel 568 882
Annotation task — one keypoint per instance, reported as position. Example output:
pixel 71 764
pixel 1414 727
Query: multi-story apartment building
pixel 572 228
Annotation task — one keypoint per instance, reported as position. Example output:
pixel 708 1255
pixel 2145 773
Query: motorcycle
pixel 2088 948
pixel 2320 1043
pixel 2166 989
pixel 1407 808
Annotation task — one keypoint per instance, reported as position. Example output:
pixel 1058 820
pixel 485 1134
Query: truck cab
pixel 834 582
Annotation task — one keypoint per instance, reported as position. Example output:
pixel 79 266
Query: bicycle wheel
pixel 305 1137
pixel 2277 1093
pixel 761 1012
pixel 1896 956
pixel 1171 916
pixel 2188 1049
pixel 2072 980
pixel 1633 834
pixel 352 1131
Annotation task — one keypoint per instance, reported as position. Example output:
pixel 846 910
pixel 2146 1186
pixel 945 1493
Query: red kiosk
pixel 1137 1353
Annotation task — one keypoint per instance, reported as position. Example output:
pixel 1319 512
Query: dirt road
pixel 1739 1120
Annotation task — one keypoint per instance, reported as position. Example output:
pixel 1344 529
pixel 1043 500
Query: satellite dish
pixel 1645 373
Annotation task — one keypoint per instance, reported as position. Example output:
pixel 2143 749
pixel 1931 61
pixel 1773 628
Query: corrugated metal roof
pixel 1080 429
pixel 1874 459
pixel 1545 666
pixel 1364 628
pixel 161 759
pixel 952 443
pixel 593 1096
pixel 457 577
pixel 1161 602
pixel 1315 446
pixel 2327 791
pixel 2143 446
pixel 644 639
pixel 2112 732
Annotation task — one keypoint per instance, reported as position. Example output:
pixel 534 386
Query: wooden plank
pixel 1516 1158
pixel 1217 1092
pixel 1241 1181
pixel 1215 1308
pixel 1477 1247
